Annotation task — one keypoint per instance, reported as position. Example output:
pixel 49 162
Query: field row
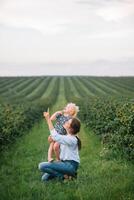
pixel 23 109
pixel 38 88
pixel 30 89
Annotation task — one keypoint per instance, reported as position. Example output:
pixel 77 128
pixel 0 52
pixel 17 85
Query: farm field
pixel 107 155
pixel 38 88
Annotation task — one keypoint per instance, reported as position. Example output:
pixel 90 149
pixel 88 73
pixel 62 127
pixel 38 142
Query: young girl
pixel 69 151
pixel 61 117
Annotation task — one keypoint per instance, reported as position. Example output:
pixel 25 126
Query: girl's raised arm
pixel 49 122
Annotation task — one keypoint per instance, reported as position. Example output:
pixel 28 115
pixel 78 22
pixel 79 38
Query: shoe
pixel 47 177
pixel 51 160
pixel 75 175
pixel 67 177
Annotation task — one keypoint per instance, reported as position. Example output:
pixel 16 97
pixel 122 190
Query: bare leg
pixel 50 151
pixel 56 148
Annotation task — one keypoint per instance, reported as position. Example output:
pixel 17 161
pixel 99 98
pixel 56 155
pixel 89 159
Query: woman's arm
pixel 63 139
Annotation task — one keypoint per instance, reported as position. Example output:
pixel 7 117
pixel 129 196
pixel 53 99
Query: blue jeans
pixel 58 169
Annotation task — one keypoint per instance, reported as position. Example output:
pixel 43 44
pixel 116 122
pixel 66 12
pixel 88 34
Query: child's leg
pixel 50 151
pixel 56 148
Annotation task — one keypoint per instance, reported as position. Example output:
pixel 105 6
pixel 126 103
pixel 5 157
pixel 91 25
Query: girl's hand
pixel 59 112
pixel 49 122
pixel 53 117
pixel 46 115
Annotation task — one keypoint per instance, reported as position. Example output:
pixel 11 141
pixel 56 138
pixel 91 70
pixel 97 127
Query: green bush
pixel 17 119
pixel 113 120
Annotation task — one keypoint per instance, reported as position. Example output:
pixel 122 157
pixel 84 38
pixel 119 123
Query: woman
pixel 61 117
pixel 69 151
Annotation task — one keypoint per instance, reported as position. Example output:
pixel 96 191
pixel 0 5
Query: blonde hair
pixel 76 108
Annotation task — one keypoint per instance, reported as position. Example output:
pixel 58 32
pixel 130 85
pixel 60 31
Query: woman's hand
pixel 50 139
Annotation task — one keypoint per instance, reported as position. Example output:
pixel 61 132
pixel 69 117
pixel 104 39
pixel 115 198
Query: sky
pixel 67 37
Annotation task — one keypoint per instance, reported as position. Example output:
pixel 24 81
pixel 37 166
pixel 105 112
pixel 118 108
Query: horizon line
pixel 43 75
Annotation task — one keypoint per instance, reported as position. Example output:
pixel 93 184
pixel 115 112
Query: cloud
pixel 37 31
pixel 114 34
pixel 103 2
pixel 116 11
pixel 44 16
pixel 110 10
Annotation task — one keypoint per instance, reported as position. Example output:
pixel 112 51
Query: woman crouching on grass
pixel 69 151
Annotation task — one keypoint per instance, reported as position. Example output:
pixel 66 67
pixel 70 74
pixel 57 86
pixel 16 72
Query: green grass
pixel 109 179
pixel 97 178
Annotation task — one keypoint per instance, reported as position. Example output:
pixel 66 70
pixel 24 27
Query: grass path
pixel 97 178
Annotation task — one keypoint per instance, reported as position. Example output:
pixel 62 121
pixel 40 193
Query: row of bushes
pixel 17 119
pixel 113 120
